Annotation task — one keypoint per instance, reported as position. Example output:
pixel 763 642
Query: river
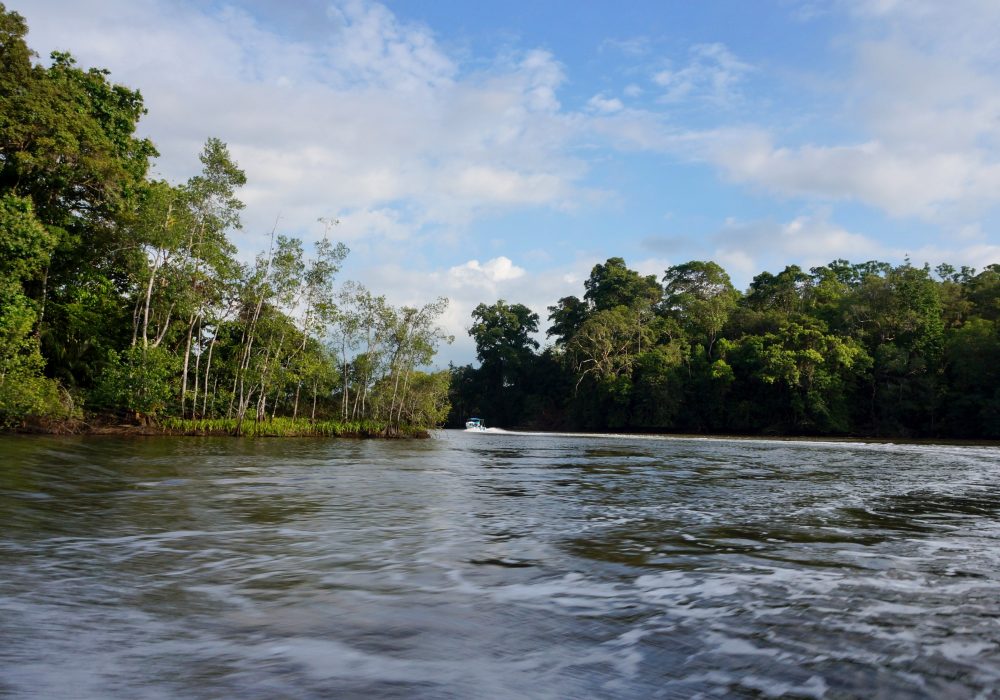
pixel 497 566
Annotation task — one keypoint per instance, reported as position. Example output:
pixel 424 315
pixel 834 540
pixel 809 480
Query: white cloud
pixel 977 255
pixel 925 92
pixel 901 181
pixel 503 185
pixel 382 223
pixel 476 282
pixel 370 113
pixel 712 74
pixel 747 248
pixel 500 269
pixel 921 100
pixel 652 266
pixel 605 105
pixel 970 232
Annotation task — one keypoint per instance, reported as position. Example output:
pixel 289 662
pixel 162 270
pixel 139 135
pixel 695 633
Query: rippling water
pixel 497 566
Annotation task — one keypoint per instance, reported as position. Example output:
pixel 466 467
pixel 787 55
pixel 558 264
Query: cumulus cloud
pixel 351 114
pixel 920 100
pixel 902 181
pixel 475 282
pixel 368 113
pixel 925 92
pixel 499 269
pixel 976 256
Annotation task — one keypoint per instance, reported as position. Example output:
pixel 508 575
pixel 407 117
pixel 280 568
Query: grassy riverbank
pixel 290 427
pixel 272 427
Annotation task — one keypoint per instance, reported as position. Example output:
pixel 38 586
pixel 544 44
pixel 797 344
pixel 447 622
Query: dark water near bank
pixel 497 566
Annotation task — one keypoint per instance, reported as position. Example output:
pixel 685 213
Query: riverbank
pixel 271 427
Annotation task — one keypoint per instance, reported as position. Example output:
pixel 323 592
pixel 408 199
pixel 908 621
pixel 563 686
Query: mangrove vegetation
pixel 122 295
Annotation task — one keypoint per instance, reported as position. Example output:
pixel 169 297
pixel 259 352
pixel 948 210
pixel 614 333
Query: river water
pixel 497 566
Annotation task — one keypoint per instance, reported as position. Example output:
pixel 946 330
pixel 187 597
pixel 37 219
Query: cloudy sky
pixel 500 148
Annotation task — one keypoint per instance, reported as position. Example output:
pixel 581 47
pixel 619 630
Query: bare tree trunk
pixel 402 398
pixel 163 331
pixel 344 399
pixel 208 368
pixel 395 386
pixel 249 337
pixel 135 322
pixel 149 299
pixel 187 357
pixel 45 296
pixel 197 374
pixel 357 398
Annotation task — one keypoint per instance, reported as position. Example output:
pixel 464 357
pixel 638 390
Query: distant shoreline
pixel 745 437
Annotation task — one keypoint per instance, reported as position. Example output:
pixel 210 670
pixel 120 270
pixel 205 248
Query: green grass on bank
pixel 289 427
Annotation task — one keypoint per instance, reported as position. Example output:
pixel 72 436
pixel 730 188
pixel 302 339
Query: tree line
pixel 841 349
pixel 123 294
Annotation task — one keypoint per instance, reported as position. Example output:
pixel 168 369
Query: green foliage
pixel 139 380
pixel 25 246
pixel 608 344
pixel 701 296
pixel 567 315
pixel 502 332
pixel 127 290
pixel 26 396
pixel 971 406
pixel 659 386
pixel 67 135
pixel 612 284
pixel 287 427
pixel 427 403
pixel 867 348
pixel 505 347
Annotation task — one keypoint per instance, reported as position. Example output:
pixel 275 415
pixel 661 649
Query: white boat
pixel 475 424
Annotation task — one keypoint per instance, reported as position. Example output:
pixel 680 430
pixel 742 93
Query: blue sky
pixel 485 150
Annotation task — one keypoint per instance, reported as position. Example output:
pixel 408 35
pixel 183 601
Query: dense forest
pixel 843 349
pixel 122 295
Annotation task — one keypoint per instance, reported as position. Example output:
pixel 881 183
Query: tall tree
pixel 67 143
pixel 613 284
pixel 25 246
pixel 505 348
pixel 701 296
pixel 896 312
